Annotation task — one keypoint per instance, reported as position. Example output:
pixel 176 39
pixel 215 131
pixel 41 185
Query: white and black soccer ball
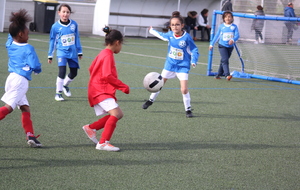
pixel 153 82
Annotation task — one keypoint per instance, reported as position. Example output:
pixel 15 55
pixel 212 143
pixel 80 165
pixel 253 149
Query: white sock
pixel 153 96
pixel 59 84
pixel 186 101
pixel 67 81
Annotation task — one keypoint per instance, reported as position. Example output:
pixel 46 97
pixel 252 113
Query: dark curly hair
pixel 18 22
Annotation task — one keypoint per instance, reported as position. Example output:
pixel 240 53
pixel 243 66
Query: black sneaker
pixel 217 77
pixel 147 104
pixel 189 114
pixel 33 142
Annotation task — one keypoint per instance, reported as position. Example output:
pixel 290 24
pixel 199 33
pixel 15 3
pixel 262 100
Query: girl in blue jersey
pixel 227 34
pixel 22 62
pixel 182 53
pixel 64 37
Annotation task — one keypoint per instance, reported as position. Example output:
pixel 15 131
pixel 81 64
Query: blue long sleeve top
pixel 23 59
pixel 182 51
pixel 65 40
pixel 226 33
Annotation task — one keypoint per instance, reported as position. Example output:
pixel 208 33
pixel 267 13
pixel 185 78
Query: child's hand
pixel 230 42
pixel 210 47
pixel 49 61
pixel 126 90
pixel 193 65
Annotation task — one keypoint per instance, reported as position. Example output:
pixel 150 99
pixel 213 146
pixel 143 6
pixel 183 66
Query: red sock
pixel 3 112
pixel 27 123
pixel 109 128
pixel 100 123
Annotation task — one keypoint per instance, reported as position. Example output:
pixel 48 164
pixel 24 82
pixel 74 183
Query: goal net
pixel 271 59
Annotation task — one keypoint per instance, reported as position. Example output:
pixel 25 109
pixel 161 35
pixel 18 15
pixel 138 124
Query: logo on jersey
pixel 232 27
pixel 72 27
pixel 182 44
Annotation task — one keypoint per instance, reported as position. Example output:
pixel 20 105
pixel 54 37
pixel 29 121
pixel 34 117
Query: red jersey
pixel 104 80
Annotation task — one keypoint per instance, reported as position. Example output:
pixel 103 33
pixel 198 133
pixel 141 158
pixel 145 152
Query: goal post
pixel 273 59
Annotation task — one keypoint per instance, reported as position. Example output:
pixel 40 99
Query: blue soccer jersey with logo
pixel 65 39
pixel 182 51
pixel 226 33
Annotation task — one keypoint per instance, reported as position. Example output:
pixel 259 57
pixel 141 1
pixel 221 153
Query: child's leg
pixel 71 76
pixel 153 96
pixel 225 55
pixel 185 94
pixel 97 125
pixel 4 111
pixel 28 127
pixel 110 125
pixel 60 78
pixel 26 120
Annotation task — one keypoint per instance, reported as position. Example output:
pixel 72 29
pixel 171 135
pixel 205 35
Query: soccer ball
pixel 153 82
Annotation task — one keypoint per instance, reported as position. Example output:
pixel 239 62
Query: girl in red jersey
pixel 102 88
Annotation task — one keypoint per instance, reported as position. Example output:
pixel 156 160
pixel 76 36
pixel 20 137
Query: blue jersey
pixel 23 59
pixel 226 33
pixel 182 51
pixel 65 39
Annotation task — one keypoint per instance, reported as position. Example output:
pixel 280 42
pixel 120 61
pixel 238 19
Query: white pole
pixel 101 16
pixel 178 7
pixel 2 14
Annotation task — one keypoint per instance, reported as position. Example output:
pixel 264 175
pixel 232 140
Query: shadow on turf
pixel 12 163
pixel 197 146
pixel 37 163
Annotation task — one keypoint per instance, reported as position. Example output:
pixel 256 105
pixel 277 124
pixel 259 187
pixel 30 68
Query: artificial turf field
pixel 245 133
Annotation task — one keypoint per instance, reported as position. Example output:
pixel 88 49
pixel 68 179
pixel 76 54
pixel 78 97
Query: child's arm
pixel 52 42
pixel 9 40
pixel 33 61
pixel 78 44
pixel 161 35
pixel 216 37
pixel 194 53
pixel 236 34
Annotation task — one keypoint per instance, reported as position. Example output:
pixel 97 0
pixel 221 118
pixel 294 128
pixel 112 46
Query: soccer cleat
pixel 217 77
pixel 67 91
pixel 107 146
pixel 189 114
pixel 147 104
pixel 228 77
pixel 91 133
pixel 33 142
pixel 59 97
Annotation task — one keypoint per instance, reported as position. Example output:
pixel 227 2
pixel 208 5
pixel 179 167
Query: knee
pixel 184 90
pixel 119 114
pixel 25 108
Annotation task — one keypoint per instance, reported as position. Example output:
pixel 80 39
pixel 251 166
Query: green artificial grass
pixel 245 133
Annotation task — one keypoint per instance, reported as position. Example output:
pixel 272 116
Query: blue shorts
pixel 73 63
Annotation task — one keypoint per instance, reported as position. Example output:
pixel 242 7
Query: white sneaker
pixel 67 91
pixel 262 42
pixel 58 97
pixel 91 133
pixel 107 146
pixel 256 42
